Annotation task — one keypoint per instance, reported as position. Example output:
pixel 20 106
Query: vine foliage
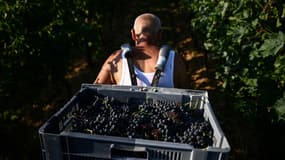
pixel 246 38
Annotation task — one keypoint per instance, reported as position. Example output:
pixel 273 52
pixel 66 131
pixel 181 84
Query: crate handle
pixel 132 152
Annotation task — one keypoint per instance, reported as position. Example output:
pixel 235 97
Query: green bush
pixel 246 38
pixel 38 39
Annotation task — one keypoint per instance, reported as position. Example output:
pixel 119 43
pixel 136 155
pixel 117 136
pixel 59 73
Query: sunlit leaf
pixel 272 45
pixel 280 107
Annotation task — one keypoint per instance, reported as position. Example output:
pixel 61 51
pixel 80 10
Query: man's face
pixel 144 34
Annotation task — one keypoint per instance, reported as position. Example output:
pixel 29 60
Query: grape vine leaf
pixel 280 107
pixel 272 45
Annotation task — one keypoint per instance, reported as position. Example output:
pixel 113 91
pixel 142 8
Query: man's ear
pixel 133 34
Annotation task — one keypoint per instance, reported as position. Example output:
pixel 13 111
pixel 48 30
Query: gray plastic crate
pixel 58 143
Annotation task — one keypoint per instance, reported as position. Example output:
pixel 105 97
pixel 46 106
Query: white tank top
pixel 145 79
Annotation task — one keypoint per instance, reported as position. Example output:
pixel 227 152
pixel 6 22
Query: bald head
pixel 147 23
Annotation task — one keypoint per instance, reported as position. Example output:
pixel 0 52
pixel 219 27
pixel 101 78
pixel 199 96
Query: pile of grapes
pixel 159 120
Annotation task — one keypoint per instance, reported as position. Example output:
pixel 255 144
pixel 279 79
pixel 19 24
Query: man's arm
pixel 106 74
pixel 180 73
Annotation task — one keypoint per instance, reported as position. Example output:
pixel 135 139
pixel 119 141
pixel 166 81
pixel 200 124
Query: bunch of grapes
pixel 159 120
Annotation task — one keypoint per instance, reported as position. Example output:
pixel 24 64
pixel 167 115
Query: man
pixel 145 55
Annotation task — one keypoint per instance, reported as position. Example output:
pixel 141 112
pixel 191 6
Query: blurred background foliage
pixel 48 48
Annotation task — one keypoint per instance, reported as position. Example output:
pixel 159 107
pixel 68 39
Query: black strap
pixel 133 76
pixel 156 78
pixel 162 59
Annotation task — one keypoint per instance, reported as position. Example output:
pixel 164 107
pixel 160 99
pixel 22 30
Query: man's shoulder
pixel 116 55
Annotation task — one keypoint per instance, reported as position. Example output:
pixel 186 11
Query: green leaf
pixel 280 107
pixel 225 7
pixel 280 62
pixel 279 72
pixel 278 23
pixel 272 45
pixel 283 12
